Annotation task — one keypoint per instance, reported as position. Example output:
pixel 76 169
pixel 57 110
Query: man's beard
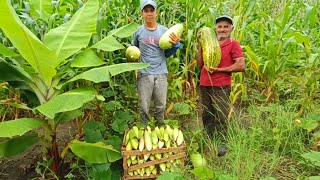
pixel 223 37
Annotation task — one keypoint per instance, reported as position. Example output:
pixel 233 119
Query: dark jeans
pixel 215 106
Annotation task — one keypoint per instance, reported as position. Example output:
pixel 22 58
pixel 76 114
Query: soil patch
pixel 24 165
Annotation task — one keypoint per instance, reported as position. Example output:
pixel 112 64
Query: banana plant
pixel 46 69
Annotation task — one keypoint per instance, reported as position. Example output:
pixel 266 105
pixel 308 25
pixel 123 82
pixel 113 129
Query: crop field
pixel 69 99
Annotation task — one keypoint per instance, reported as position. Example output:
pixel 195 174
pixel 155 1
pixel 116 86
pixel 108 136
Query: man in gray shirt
pixel 152 81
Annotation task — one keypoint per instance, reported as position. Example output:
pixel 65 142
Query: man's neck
pixel 221 41
pixel 151 26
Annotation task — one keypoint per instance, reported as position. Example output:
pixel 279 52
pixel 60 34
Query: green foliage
pixel 279 131
pixel 18 126
pixel 313 157
pixel 96 132
pixel 15 146
pixel 45 67
pixel 203 173
pixel 70 100
pixel 281 44
pixel 121 120
pixel 94 152
pixel 181 108
pixel 170 176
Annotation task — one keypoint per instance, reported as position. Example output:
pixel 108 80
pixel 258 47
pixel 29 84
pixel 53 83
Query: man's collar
pixel 227 42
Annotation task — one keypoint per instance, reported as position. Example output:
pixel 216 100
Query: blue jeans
pixel 152 87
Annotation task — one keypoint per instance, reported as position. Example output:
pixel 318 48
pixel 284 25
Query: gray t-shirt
pixel 148 43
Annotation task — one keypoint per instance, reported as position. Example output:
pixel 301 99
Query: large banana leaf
pixel 40 9
pixel 18 78
pixel 68 116
pixel 42 59
pixel 94 152
pixel 87 59
pixel 124 31
pixel 18 126
pixel 13 73
pixel 108 43
pixel 103 74
pixel 17 145
pixel 74 35
pixel 68 101
pixel 17 105
pixel 6 51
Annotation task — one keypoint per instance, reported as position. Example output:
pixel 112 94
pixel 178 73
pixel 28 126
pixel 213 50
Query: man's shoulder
pixel 160 26
pixel 140 27
pixel 234 40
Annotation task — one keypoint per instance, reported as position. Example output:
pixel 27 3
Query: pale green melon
pixel 198 160
pixel 164 41
pixel 132 53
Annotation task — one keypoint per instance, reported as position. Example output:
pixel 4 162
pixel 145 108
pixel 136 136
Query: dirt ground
pixel 23 166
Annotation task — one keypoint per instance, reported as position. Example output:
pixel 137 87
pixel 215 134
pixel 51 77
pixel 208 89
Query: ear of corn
pixel 147 140
pixel 141 144
pixel 180 138
pixel 129 146
pixel 129 162
pixel 175 133
pixel 154 137
pixel 148 171
pixel 162 166
pixel 134 142
pixel 154 171
pixel 141 132
pixel 135 131
pixel 211 52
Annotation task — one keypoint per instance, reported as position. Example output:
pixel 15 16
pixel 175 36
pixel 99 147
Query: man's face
pixel 223 29
pixel 149 14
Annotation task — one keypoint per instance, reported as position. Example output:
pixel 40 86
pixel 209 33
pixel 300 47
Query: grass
pixel 263 142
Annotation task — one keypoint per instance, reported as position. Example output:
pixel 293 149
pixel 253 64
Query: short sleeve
pixel 135 41
pixel 236 51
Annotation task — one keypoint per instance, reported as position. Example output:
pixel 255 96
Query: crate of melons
pixel 147 152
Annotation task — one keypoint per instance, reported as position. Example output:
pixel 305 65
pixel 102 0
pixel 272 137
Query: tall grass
pixel 262 142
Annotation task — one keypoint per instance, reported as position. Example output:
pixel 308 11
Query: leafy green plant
pixel 313 157
pixel 181 108
pixel 48 68
pixel 170 176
